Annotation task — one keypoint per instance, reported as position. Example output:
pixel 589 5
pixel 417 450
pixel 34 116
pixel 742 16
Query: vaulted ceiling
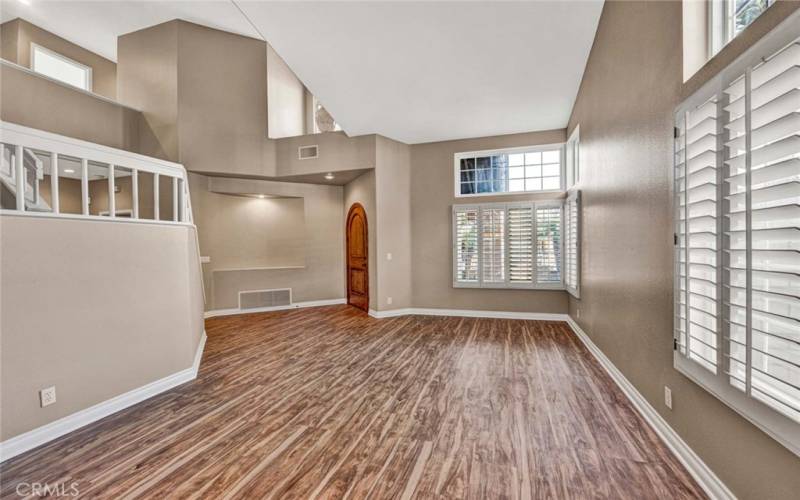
pixel 412 71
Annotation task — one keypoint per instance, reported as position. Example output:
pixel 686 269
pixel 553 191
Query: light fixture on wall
pixel 69 171
pixel 329 176
pixel 262 196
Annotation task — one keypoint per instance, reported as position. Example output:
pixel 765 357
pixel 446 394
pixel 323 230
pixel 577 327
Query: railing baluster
pixel 156 196
pixel 85 186
pixel 54 201
pixel 37 195
pixel 19 169
pixel 135 193
pixel 175 199
pixel 112 205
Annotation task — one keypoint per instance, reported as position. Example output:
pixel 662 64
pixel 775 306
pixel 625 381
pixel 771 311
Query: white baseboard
pixel 705 477
pixel 296 305
pixel 41 435
pixel 467 313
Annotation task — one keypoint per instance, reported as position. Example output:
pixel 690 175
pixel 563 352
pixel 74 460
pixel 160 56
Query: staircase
pixel 32 173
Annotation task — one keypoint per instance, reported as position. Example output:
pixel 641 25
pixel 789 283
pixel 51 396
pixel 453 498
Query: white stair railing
pixel 22 170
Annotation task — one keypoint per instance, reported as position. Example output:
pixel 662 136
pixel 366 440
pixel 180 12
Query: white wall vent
pixel 257 299
pixel 308 152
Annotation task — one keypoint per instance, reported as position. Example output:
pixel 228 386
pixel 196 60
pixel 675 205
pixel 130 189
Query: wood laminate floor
pixel 330 403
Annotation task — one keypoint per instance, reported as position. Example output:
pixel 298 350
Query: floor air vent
pixel 257 299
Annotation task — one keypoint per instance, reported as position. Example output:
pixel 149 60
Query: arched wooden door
pixel 357 258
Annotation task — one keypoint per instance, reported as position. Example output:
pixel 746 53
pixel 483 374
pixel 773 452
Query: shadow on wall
pixel 255 231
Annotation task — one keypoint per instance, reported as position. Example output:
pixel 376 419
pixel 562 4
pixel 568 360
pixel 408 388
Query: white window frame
pixel 507 284
pixel 457 157
pixel 778 426
pixel 87 69
pixel 573 196
pixel 572 158
pixel 721 24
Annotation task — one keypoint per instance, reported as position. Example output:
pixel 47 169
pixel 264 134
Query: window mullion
pixel 535 249
pixel 723 225
pixel 686 230
pixel 506 246
pixel 748 228
pixel 480 246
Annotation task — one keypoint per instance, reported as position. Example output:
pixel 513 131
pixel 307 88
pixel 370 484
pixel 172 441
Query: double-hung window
pixel 517 170
pixel 508 245
pixel 737 258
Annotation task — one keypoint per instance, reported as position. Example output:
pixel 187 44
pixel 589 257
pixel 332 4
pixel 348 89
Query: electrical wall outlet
pixel 579 312
pixel 388 256
pixel 47 396
pixel 668 397
pixel 389 300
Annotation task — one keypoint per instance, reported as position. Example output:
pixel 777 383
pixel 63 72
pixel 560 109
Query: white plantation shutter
pixel 548 244
pixel 737 265
pixel 514 245
pixel 520 244
pixel 493 240
pixel 465 238
pixel 572 243
pixel 763 243
pixel 698 249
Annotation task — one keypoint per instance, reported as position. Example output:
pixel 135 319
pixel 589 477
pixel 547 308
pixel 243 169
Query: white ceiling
pixel 95 25
pixel 412 71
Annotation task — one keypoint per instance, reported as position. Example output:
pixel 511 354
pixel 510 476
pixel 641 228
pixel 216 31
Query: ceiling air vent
pixel 308 152
pixel 258 299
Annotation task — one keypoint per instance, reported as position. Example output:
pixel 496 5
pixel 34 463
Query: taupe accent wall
pixel 432 197
pixel 286 99
pixel 28 99
pixel 318 276
pixel 208 110
pixel 81 317
pixel 632 84
pixel 18 35
pixel 147 70
pixel 392 181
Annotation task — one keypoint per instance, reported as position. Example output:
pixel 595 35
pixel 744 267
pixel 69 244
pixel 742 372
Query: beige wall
pixel 9 38
pixel 148 81
pixel 222 102
pixel 29 100
pixel 362 190
pixel 432 197
pixel 393 207
pixel 21 34
pixel 286 99
pixel 624 107
pixel 247 232
pixel 320 278
pixel 337 152
pixel 208 110
pixel 87 312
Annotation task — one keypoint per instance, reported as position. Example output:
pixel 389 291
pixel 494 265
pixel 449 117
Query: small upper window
pixel 323 121
pixel 731 17
pixel 61 68
pixel 518 170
